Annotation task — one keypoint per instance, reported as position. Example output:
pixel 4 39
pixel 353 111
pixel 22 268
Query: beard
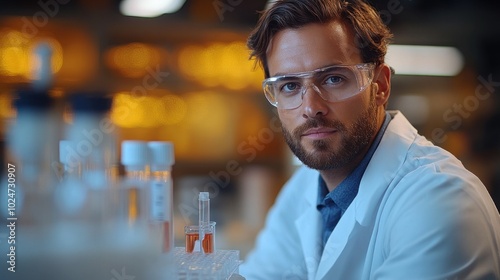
pixel 354 139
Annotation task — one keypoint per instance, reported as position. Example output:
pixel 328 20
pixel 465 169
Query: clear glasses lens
pixel 333 84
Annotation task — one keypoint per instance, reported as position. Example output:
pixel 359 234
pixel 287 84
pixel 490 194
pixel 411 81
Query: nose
pixel 313 105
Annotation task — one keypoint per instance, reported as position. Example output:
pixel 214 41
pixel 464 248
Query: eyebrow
pixel 295 73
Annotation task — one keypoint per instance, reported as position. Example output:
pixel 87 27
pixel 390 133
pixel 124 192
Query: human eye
pixel 289 87
pixel 336 77
pixel 334 80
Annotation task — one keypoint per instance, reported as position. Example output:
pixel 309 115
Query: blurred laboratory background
pixel 183 75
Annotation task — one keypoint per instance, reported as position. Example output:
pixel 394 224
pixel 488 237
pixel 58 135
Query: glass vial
pixel 161 191
pixel 134 158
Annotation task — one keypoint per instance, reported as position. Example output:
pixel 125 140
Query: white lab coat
pixel 419 214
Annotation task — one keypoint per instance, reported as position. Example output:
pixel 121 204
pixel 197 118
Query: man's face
pixel 322 134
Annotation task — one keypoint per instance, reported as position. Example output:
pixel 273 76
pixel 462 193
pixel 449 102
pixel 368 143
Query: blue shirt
pixel 332 205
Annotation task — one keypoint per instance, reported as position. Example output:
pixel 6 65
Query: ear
pixel 382 80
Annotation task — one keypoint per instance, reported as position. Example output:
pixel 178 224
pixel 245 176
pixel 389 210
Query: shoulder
pixel 434 173
pixel 431 180
pixel 432 188
pixel 420 158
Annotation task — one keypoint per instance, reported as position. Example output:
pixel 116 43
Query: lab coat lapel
pixel 309 224
pixel 336 242
pixel 384 167
pixel 372 187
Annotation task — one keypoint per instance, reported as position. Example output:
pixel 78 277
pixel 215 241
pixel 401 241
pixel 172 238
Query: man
pixel 375 200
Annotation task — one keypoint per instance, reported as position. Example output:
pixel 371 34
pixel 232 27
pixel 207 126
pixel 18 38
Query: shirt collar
pixel 347 190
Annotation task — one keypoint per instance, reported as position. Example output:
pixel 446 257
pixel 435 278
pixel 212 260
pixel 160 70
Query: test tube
pixel 203 217
pixel 193 243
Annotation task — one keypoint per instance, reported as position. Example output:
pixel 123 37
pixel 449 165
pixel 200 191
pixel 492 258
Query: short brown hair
pixel 372 35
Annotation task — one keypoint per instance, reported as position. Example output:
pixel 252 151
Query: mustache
pixel 318 122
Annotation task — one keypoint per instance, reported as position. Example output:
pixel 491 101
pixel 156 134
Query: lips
pixel 319 132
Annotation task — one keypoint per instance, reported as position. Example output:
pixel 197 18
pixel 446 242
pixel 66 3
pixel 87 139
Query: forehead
pixel 310 47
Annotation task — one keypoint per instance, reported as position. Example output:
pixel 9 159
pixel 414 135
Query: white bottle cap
pixel 134 154
pixel 161 155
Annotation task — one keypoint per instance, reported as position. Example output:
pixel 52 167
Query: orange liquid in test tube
pixel 208 242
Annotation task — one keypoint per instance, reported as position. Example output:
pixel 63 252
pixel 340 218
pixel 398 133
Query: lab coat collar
pixel 309 224
pixel 379 173
pixel 382 169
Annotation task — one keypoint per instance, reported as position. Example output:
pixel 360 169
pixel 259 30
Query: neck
pixel 333 177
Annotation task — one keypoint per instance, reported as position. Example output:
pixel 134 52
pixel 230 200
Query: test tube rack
pixel 220 265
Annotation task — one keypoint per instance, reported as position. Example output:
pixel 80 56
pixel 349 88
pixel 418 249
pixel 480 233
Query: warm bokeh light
pixel 207 132
pixel 133 60
pixel 172 109
pixel 156 110
pixel 17 54
pixel 220 64
pixel 195 64
pixel 201 123
pixel 208 112
pixel 6 109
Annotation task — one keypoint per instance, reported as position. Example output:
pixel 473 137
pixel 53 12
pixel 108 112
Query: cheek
pixel 349 110
pixel 363 99
pixel 287 117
